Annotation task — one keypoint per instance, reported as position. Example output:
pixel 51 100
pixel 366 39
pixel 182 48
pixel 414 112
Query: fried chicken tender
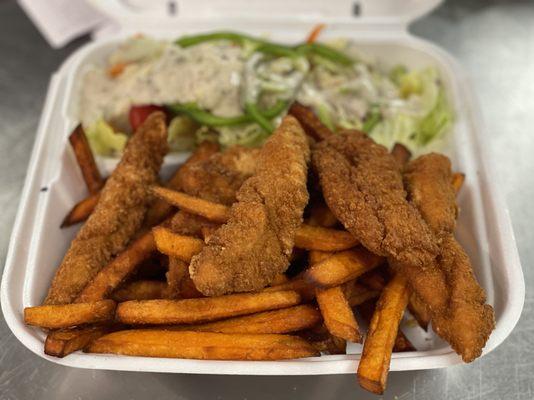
pixel 219 177
pixel 363 187
pixel 468 321
pixel 428 183
pixel 118 214
pixel 256 244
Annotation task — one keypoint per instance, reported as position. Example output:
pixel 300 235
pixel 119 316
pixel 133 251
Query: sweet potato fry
pixel 360 294
pixel 174 245
pixel 374 363
pixel 373 280
pixel 178 271
pixel 81 211
pixel 160 209
pixel 366 311
pixel 202 345
pixel 286 320
pixel 191 311
pixel 69 315
pixel 309 121
pixel 342 267
pixel 322 340
pixel 337 314
pixel 320 215
pixel 458 180
pixel 86 161
pixel 66 341
pixel 315 256
pixel 324 239
pixel 279 279
pixel 119 269
pixel 401 154
pixel 306 290
pixel 141 290
pixel 211 211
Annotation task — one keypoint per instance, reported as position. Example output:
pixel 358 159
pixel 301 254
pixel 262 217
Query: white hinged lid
pixel 137 12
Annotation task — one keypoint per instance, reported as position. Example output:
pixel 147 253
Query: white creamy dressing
pixel 208 74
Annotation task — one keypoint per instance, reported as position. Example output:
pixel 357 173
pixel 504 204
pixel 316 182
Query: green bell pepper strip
pixel 253 111
pixel 206 118
pixel 326 52
pixel 263 46
pixel 267 47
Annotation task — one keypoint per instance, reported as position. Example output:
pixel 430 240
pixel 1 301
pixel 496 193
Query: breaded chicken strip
pixel 428 181
pixel 118 215
pixel 467 322
pixel 219 177
pixel 247 252
pixel 363 187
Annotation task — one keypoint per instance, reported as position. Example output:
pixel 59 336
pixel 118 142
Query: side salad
pixel 233 88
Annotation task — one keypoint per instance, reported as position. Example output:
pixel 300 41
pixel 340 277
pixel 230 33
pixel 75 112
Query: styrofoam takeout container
pixel 54 183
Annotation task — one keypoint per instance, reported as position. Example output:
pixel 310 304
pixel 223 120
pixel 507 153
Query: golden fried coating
pixel 428 183
pixel 187 224
pixel 467 321
pixel 118 215
pixel 363 187
pixel 220 176
pixel 246 253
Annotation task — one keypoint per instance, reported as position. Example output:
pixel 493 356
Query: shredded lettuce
pixel 249 135
pixel 104 140
pixel 437 121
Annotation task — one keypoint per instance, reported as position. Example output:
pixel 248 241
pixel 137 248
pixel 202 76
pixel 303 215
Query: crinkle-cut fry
pixel 141 290
pixel 321 215
pixel 360 294
pixel 192 311
pixel 69 315
pixel 310 122
pixel 374 363
pixel 342 267
pixel 366 311
pixel 211 211
pixel 337 314
pixel 174 245
pixel 81 211
pixel 285 320
pixel 323 239
pixel 178 271
pixel 401 154
pixel 119 269
pixel 458 180
pixel 298 284
pixel 202 345
pixel 63 342
pixel 86 161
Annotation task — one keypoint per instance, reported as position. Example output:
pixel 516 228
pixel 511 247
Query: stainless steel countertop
pixel 494 40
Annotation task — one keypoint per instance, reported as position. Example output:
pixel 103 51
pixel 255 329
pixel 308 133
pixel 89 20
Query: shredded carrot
pixel 314 34
pixel 117 69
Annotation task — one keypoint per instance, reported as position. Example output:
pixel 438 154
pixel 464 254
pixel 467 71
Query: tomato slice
pixel 138 114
